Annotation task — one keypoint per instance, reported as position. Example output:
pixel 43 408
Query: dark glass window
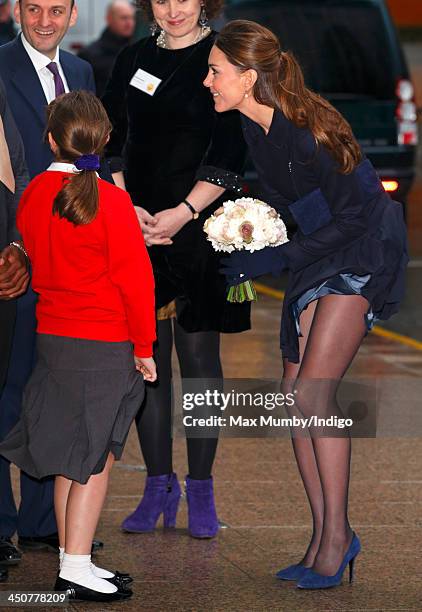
pixel 344 47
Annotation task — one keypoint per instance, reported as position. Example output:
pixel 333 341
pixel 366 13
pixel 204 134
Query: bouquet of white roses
pixel 246 224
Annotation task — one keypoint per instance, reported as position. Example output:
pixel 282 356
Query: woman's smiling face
pixel 178 18
pixel 227 84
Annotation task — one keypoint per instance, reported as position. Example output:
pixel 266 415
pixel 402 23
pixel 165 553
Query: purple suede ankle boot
pixel 203 522
pixel 161 495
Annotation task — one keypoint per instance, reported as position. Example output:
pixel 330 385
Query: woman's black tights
pixel 199 357
pixel 333 328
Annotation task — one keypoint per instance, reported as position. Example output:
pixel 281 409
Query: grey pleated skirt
pixel 78 406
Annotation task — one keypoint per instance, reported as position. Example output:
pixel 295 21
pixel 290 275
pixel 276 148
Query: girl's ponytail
pixel 78 200
pixel 79 127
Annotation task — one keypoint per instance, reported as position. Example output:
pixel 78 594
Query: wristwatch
pixel 195 214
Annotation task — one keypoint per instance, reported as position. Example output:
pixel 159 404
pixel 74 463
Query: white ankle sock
pixel 100 572
pixel 97 571
pixel 77 568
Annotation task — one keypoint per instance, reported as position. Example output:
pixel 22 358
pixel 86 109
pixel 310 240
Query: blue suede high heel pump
pixel 293 572
pixel 313 580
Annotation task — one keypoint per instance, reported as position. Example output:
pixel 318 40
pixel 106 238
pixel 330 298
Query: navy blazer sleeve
pixel 226 154
pixel 347 205
pixel 17 158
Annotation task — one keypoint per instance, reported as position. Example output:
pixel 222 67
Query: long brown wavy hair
pixel 281 84
pixel 79 125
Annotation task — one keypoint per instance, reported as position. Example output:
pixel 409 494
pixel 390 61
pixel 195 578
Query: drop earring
pixel 203 19
pixel 154 28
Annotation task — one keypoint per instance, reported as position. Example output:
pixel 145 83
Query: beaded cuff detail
pixel 222 178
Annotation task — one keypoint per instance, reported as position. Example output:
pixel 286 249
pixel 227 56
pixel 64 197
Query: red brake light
pixel 407 132
pixel 406 114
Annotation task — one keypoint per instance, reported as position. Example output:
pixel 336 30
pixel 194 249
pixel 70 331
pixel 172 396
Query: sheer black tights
pixel 333 328
pixel 199 357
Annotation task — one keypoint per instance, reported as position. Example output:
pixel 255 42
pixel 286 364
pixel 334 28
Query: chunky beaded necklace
pixel 162 39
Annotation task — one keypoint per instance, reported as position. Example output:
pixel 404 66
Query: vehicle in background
pixel 351 55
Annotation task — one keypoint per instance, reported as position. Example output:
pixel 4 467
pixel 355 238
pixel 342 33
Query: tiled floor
pixel 260 498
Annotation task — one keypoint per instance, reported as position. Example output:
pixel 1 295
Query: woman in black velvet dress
pixel 176 156
pixel 346 264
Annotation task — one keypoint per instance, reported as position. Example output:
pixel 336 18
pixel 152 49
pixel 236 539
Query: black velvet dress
pixel 348 226
pixel 164 143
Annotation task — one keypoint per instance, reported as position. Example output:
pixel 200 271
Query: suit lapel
pixel 71 72
pixel 26 81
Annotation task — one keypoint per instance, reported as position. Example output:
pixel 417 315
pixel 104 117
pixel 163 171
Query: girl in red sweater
pixel 96 327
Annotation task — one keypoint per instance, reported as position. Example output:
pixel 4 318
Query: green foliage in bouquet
pixel 245 292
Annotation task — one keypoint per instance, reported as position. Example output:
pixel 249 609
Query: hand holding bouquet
pixel 245 225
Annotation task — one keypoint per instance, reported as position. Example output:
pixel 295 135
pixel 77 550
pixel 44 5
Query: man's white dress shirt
pixel 46 77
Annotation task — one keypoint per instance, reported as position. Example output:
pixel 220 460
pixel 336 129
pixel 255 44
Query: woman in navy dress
pixel 346 261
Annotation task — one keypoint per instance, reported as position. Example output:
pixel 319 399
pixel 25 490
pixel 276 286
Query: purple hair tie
pixel 88 162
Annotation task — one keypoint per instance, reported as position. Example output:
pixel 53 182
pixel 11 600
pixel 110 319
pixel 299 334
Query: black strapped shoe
pixel 120 579
pixel 9 554
pixel 81 593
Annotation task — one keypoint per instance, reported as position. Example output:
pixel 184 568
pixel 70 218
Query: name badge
pixel 146 82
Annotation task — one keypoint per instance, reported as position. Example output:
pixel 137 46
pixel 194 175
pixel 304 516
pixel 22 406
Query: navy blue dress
pixel 351 235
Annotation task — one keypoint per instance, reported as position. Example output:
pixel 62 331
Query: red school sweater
pixel 94 281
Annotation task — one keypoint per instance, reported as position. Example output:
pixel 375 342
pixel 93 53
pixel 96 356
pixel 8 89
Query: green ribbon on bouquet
pixel 245 292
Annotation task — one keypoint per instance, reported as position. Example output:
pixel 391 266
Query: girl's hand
pixel 171 221
pixel 146 366
pixel 147 222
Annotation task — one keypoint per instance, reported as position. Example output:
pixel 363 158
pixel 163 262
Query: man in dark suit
pixel 34 72
pixel 14 274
